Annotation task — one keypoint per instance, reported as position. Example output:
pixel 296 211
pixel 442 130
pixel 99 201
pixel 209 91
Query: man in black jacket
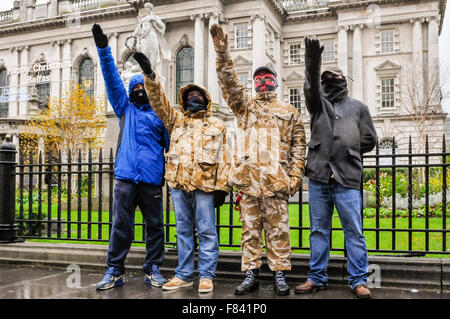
pixel 341 131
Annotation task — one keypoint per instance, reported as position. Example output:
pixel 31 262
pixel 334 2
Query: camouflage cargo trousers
pixel 270 214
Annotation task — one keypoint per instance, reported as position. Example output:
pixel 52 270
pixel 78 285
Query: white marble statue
pixel 149 39
pixel 129 70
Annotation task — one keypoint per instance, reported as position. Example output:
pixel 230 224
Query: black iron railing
pixel 72 199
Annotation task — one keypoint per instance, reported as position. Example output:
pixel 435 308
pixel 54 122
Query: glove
pixel 295 183
pixel 144 63
pixel 101 40
pixel 313 50
pixel 220 38
pixel 219 198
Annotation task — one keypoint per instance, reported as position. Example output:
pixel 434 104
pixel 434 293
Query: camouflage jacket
pixel 197 157
pixel 270 141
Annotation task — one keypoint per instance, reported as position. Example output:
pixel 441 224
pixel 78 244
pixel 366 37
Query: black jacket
pixel 341 131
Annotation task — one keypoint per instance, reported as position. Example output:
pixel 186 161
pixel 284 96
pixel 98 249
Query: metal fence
pixel 72 199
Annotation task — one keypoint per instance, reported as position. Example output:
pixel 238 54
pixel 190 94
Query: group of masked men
pixel 189 148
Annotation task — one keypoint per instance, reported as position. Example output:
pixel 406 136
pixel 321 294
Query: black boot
pixel 249 284
pixel 279 283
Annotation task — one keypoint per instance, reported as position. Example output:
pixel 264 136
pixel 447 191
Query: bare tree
pixel 420 100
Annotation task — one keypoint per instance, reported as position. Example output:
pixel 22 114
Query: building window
pixel 328 51
pixel 243 77
pixel 385 146
pixel 295 98
pixel 3 93
pixel 86 76
pixel 43 88
pixel 387 93
pixel 241 32
pixel 295 54
pixel 185 68
pixel 387 41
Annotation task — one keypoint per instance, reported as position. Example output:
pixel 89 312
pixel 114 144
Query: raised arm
pixel 232 89
pixel 117 94
pixel 311 87
pixel 158 99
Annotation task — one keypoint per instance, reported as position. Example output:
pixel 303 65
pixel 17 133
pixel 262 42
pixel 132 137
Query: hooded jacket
pixel 142 137
pixel 341 130
pixel 198 155
pixel 270 140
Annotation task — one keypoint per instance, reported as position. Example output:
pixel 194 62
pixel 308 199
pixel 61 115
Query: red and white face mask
pixel 265 83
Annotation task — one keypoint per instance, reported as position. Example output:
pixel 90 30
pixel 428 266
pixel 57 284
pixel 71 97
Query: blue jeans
pixel 322 199
pixel 199 206
pixel 127 196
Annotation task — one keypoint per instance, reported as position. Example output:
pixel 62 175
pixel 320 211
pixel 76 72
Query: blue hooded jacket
pixel 143 136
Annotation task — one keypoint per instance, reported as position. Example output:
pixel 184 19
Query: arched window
pixel 86 76
pixel 385 148
pixel 185 68
pixel 43 85
pixel 3 93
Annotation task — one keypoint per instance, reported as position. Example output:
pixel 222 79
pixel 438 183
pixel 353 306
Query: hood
pixel 135 80
pixel 205 93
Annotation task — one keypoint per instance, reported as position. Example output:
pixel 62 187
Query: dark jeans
pixel 127 196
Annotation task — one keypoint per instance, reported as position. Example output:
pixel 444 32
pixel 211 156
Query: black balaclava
pixel 139 97
pixel 194 104
pixel 334 89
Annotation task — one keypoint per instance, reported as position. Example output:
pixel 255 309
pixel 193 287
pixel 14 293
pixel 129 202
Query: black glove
pixel 144 63
pixel 101 40
pixel 219 198
pixel 313 49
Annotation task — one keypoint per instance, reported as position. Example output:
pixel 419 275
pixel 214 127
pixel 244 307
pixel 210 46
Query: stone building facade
pixel 389 48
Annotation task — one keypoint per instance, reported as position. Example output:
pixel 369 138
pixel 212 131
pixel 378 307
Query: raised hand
pixel 220 38
pixel 101 40
pixel 313 48
pixel 143 62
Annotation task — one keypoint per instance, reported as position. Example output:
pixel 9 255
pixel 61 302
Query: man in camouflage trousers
pixel 197 172
pixel 269 166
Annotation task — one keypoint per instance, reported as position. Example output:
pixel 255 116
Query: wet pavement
pixel 36 282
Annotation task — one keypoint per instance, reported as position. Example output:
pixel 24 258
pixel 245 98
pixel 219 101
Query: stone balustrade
pixel 6 16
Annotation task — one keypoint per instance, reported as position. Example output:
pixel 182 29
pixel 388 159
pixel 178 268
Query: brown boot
pixel 307 287
pixel 362 291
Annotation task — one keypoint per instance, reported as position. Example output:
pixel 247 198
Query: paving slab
pixel 37 282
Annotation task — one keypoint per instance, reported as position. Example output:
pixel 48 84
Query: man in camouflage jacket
pixel 269 166
pixel 197 172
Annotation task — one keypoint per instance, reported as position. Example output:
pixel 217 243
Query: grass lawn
pixel 299 238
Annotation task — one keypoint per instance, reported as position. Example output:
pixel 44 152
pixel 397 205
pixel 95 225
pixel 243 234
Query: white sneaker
pixel 176 283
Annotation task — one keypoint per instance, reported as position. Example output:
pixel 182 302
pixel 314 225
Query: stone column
pixel 433 53
pixel 199 49
pixel 14 84
pixel 417 63
pixel 67 64
pixel 342 48
pixel 24 92
pixel 258 41
pixel 279 62
pixel 357 63
pixel 55 89
pixel 213 84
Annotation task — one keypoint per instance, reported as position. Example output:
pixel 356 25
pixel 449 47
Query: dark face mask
pixel 194 104
pixel 334 88
pixel 139 96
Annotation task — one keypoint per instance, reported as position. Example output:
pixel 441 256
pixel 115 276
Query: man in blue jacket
pixel 139 170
